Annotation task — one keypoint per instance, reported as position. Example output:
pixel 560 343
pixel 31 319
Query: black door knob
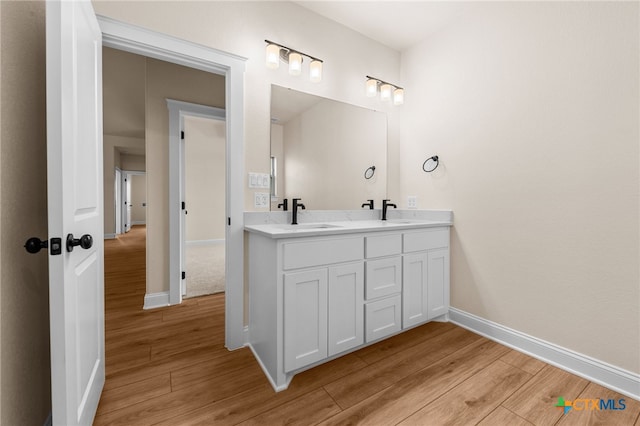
pixel 34 245
pixel 86 242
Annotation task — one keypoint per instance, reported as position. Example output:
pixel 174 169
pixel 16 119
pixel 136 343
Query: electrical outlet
pixel 261 199
pixel 412 202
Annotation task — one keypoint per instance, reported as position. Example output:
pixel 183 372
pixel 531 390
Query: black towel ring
pixel 368 174
pixel 430 164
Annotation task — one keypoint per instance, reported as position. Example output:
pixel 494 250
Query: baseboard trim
pixel 138 222
pixel 204 242
pixel 156 300
pixel 609 376
pixel 109 236
pixel 266 372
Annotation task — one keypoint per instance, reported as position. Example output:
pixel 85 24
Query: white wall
pixel 205 182
pixel 241 28
pixel 533 110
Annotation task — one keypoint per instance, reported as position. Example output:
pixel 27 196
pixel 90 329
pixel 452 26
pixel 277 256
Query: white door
pixel 74 174
pixel 118 203
pixel 127 202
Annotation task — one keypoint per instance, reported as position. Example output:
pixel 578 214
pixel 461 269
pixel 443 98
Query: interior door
pixel 127 203
pixel 74 173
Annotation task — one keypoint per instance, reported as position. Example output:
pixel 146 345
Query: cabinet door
pixel 383 277
pixel 346 311
pixel 438 279
pixel 305 318
pixel 382 318
pixel 414 289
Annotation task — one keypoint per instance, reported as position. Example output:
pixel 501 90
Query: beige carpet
pixel 205 269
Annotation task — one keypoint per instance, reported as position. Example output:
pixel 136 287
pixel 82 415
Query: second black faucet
pixel 385 205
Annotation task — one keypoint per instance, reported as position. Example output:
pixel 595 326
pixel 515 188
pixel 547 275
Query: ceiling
pixel 397 24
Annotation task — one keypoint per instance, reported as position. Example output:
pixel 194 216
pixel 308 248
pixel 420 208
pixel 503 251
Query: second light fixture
pixel 387 90
pixel 278 52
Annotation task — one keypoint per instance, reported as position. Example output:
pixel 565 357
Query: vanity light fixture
pixel 387 91
pixel 276 52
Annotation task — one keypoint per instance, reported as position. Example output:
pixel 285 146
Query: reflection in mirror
pixel 319 148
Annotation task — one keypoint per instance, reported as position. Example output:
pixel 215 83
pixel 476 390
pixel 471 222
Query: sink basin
pixel 306 226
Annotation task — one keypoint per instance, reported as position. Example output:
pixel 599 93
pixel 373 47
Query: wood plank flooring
pixel 169 367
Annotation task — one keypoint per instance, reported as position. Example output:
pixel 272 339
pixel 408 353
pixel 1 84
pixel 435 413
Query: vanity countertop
pixel 341 227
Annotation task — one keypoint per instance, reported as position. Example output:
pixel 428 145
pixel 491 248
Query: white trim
pixel 156 300
pixel 109 236
pixel 609 376
pixel 204 242
pixel 138 222
pixel 130 38
pixel 266 372
pixel 177 263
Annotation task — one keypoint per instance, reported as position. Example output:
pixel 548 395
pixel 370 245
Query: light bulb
pixel 398 96
pixel 315 71
pixel 385 92
pixel 372 87
pixel 295 63
pixel 273 56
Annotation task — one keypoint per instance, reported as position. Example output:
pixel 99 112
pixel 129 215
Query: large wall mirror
pixel 322 149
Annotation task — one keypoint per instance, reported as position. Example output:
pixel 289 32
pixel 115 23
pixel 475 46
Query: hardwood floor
pixel 169 366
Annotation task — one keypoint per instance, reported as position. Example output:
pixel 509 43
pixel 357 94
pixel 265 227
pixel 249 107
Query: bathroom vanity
pixel 319 290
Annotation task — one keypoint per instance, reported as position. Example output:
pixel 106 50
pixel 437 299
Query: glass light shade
pixel 385 92
pixel 315 71
pixel 273 56
pixel 295 63
pixel 398 96
pixel 372 87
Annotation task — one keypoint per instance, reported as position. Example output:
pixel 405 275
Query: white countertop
pixel 280 230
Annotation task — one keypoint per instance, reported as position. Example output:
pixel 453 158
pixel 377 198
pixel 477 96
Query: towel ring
pixel 368 174
pixel 430 164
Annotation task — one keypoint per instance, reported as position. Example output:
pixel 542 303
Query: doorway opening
pixel 133 39
pixel 204 215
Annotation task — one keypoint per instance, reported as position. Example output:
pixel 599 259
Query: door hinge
pixel 182 135
pixel 184 275
pixel 229 221
pixel 184 205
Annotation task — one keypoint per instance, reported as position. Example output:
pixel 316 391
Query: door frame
pixel 134 39
pixel 177 111
pixel 125 195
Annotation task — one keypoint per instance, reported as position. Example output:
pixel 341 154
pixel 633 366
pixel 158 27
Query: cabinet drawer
pixel 383 245
pixel 425 240
pixel 383 277
pixel 322 252
pixel 382 318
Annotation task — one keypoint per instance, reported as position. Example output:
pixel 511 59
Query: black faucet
pixel 294 211
pixel 369 204
pixel 385 204
pixel 284 204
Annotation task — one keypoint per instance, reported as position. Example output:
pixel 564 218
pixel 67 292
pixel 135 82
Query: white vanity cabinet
pixel 314 297
pixel 425 268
